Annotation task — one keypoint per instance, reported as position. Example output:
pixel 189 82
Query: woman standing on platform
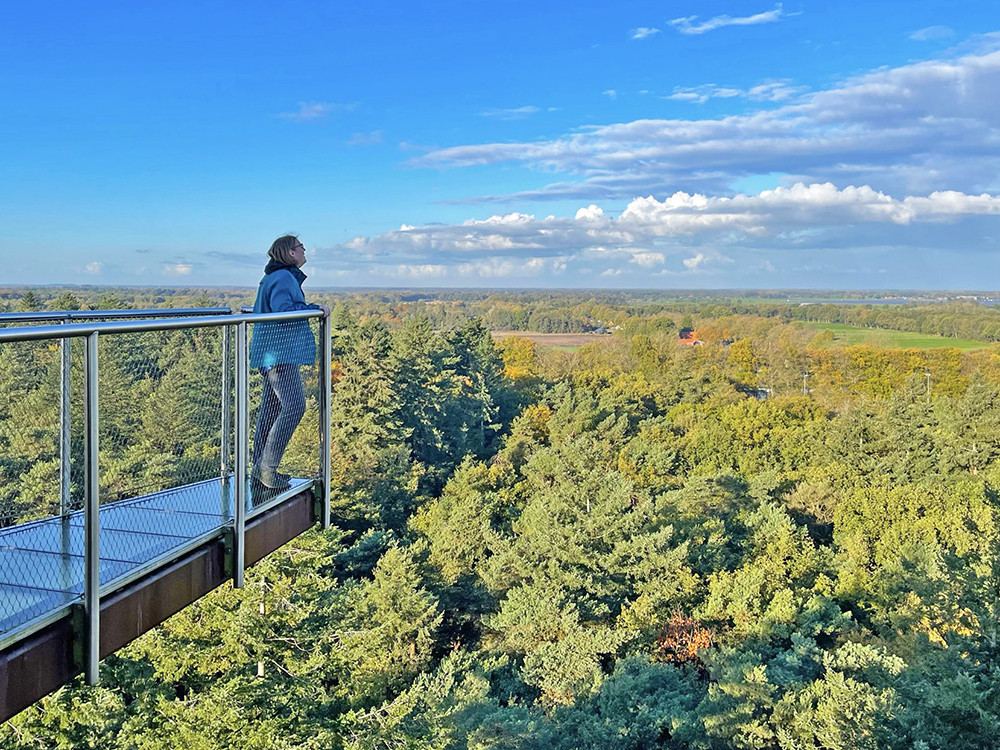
pixel 279 350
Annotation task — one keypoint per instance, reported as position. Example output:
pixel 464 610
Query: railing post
pixel 242 457
pixel 65 500
pixel 65 423
pixel 226 412
pixel 325 395
pixel 225 469
pixel 92 562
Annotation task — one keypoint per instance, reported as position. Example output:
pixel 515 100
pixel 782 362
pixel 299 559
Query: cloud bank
pixel 905 130
pixel 684 233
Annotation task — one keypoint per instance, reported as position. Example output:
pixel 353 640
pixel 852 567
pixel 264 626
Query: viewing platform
pixel 109 556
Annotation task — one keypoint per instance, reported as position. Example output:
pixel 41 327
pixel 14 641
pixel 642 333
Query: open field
pixel 565 341
pixel 850 335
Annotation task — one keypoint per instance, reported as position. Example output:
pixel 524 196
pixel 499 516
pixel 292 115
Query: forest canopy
pixel 761 541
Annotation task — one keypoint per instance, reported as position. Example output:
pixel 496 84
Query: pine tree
pixel 394 626
pixel 66 301
pixel 30 302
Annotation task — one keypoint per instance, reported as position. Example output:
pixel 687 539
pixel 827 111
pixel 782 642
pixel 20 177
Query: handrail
pixel 166 312
pixel 78 330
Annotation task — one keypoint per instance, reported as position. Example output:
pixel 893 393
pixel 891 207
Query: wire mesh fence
pixel 161 396
pixel 30 431
pixel 284 405
pixel 159 412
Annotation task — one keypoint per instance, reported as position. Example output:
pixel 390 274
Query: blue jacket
pixel 291 342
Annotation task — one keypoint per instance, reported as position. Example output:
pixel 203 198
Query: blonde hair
pixel 281 249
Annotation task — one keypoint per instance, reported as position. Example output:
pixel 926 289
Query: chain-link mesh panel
pixel 284 403
pixel 160 414
pixel 30 470
pixel 30 444
pixel 302 456
pixel 160 410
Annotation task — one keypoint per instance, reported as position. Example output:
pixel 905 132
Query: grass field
pixel 562 341
pixel 849 335
pixel 843 335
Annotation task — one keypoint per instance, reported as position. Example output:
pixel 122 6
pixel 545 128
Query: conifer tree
pixel 394 625
pixel 30 302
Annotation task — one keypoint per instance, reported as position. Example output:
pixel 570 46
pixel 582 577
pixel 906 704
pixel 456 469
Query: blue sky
pixel 676 144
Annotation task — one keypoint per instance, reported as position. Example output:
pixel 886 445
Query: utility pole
pixel 927 374
pixel 260 661
pixel 805 390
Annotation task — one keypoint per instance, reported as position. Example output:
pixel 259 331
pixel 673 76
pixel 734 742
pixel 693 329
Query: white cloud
pixel 488 268
pixel 643 32
pixel 94 267
pixel 800 205
pixel 177 269
pixel 688 25
pixel 359 242
pixel 590 213
pixel 774 91
pixel 648 259
pixel 610 93
pixel 700 261
pixel 422 270
pixel 516 113
pixel 769 91
pixel 312 111
pixel 932 33
pixel 912 129
pixel 515 218
pixel 373 138
pixel 702 94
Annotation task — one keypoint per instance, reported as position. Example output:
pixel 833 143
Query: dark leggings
pixel 281 408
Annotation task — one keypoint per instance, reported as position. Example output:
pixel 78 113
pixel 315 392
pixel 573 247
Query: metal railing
pixel 63 317
pixel 66 316
pixel 95 387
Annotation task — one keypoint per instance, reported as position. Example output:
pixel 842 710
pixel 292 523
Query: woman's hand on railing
pixel 326 311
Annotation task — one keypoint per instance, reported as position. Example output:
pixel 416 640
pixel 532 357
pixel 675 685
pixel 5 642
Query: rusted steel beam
pixel 130 612
pixel 36 666
pixel 275 527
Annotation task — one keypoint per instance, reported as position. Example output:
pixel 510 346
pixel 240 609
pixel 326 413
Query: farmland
pixel 564 341
pixel 847 335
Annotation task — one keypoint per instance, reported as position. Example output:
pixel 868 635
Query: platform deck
pixel 42 562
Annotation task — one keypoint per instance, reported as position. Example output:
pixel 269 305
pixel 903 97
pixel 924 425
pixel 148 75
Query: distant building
pixel 752 391
pixel 689 338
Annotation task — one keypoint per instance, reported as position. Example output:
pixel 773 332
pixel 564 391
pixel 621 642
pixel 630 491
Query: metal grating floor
pixel 42 562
